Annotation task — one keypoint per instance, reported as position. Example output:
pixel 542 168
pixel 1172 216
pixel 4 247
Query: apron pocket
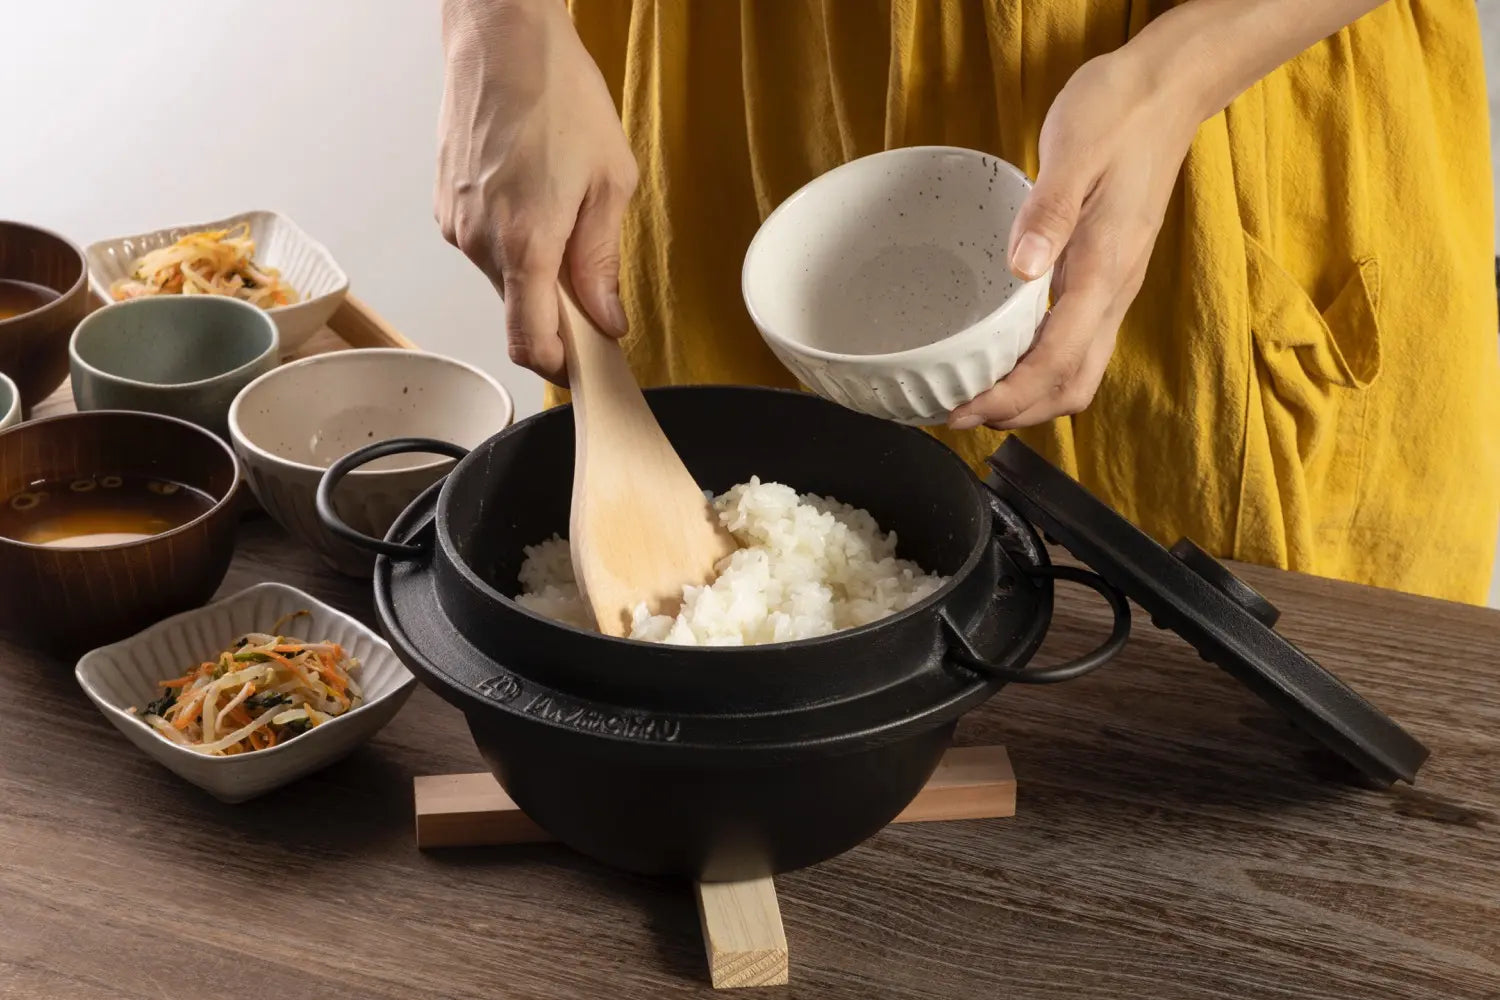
pixel 1311 358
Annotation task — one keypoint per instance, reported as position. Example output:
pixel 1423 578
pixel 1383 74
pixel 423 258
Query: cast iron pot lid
pixel 1189 592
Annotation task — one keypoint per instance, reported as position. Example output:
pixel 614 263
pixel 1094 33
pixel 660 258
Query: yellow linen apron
pixel 1308 378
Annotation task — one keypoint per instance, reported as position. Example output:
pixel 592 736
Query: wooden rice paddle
pixel 641 528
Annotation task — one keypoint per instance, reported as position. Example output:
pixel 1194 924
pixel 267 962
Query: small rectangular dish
pixel 125 674
pixel 305 265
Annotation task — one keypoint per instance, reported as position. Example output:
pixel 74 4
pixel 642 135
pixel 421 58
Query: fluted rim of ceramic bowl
pixel 12 413
pixel 63 298
pixel 281 749
pixel 326 255
pixel 273 349
pixel 911 355
pixel 240 438
pixel 219 504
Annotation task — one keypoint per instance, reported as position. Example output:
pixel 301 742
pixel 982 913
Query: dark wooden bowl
pixel 34 345
pixel 73 599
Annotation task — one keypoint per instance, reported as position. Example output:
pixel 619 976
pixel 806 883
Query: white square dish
pixel 305 265
pixel 125 674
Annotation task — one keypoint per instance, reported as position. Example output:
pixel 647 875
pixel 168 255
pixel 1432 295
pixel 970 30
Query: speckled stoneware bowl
pixel 10 403
pixel 290 424
pixel 884 284
pixel 183 356
pixel 124 675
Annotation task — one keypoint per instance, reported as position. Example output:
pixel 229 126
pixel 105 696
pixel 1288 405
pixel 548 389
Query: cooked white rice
pixel 809 566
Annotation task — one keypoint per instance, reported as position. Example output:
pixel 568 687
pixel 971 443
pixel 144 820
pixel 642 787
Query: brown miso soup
pixel 90 511
pixel 20 297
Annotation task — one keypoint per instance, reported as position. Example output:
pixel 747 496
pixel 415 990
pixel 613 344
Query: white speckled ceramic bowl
pixel 10 403
pixel 884 286
pixel 304 263
pixel 290 424
pixel 124 675
pixel 186 356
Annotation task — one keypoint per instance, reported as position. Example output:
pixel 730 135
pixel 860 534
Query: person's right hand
pixel 534 170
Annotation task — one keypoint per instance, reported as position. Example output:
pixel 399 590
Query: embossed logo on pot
pixel 502 687
pixel 591 720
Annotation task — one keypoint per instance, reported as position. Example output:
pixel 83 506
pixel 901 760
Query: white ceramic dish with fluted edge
pixel 290 424
pixel 884 286
pixel 304 263
pixel 125 674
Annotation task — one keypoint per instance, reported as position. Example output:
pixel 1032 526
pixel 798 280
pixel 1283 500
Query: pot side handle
pixel 1011 672
pixel 359 456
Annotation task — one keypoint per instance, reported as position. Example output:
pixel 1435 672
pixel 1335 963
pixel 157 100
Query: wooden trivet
pixel 741 921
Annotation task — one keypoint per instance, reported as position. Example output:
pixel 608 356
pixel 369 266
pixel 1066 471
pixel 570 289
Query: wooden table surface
pixel 1174 839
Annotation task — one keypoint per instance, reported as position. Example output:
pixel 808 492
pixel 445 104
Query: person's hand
pixel 533 168
pixel 1110 150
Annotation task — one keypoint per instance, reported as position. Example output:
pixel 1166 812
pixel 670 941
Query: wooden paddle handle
pixel 598 374
pixel 640 528
pixel 609 417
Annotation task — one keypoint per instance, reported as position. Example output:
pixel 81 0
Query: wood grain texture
pixel 472 810
pixel 742 933
pixel 357 325
pixel 469 810
pixel 1175 841
pixel 73 599
pixel 969 783
pixel 741 924
pixel 640 528
pixel 34 345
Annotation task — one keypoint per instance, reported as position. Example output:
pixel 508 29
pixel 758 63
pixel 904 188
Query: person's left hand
pixel 1110 150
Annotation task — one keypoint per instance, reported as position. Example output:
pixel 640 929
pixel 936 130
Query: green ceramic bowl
pixel 184 356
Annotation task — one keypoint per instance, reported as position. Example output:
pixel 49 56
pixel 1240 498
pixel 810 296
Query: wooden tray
pixel 353 325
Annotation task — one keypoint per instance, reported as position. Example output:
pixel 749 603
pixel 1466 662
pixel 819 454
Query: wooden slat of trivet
pixel 742 933
pixel 969 783
pixel 741 921
pixel 472 810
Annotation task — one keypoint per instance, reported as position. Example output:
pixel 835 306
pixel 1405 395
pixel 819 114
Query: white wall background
pixel 1489 17
pixel 126 116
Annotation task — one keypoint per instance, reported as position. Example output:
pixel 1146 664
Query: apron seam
pixel 1247 352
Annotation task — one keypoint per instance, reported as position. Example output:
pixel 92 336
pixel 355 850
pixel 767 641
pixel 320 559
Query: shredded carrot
pixel 271 677
pixel 215 262
pixel 201 670
pixel 332 679
pixel 189 712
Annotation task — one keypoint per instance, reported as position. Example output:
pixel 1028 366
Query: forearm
pixel 475 21
pixel 1210 51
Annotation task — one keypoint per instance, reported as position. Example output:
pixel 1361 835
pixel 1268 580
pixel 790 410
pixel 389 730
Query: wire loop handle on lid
pixel 1011 672
pixel 360 456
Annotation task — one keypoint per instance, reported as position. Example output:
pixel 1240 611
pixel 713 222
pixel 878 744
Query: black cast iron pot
pixel 719 763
